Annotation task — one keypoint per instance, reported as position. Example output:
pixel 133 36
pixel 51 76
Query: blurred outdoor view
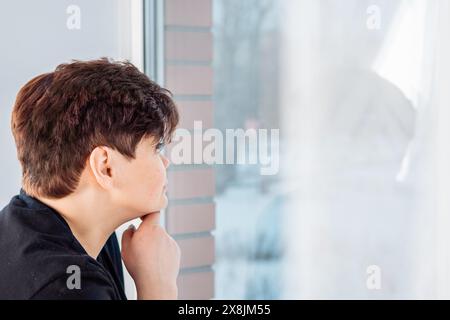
pixel 349 84
pixel 249 205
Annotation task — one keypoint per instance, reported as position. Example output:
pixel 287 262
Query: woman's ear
pixel 100 163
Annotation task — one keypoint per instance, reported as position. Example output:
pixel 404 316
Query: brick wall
pixel 190 217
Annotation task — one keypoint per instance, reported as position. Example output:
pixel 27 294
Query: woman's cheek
pixel 158 178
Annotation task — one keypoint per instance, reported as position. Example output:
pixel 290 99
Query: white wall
pixel 35 39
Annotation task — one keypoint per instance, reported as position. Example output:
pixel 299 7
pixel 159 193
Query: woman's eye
pixel 160 147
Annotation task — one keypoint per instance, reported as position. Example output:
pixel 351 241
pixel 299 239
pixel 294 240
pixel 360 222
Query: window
pixel 354 88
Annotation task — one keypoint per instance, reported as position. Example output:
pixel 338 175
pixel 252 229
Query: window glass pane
pixel 348 84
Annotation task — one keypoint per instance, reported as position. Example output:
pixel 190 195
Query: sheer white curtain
pixel 367 121
pixel 427 163
pixel 434 271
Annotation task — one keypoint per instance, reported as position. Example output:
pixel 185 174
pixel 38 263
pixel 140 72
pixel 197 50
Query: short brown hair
pixel 61 116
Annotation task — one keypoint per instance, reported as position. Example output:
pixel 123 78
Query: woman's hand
pixel 152 257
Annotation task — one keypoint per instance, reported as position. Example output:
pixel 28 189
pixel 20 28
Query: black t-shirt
pixel 41 259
